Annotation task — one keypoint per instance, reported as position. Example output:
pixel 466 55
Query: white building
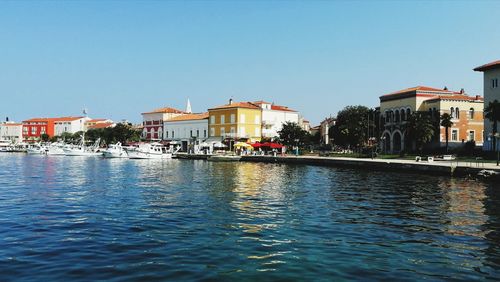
pixel 69 124
pixel 274 116
pixel 11 131
pixel 153 122
pixel 491 88
pixel 189 129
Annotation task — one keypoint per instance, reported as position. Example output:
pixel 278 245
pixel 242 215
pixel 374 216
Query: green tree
pixel 492 112
pixel 45 137
pixel 446 123
pixel 291 134
pixel 420 129
pixel 351 127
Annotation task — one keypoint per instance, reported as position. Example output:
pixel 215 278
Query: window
pixel 257 119
pixel 222 119
pixel 471 135
pixel 257 132
pixel 43 130
pixel 33 130
pixel 205 133
pixel 397 116
pixel 166 134
pixel 212 131
pixel 173 134
pixel 222 131
pixel 454 134
pixel 457 113
pixel 242 118
pixel 242 131
pixel 471 113
pixel 190 133
pixel 233 118
pixel 197 133
pixel 212 119
pixel 233 131
pixel 452 112
pixel 494 83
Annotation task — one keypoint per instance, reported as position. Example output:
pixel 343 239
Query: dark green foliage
pixel 291 134
pixel 420 129
pixel 446 123
pixel 351 128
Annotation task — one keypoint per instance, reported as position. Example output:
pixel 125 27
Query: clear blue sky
pixel 121 58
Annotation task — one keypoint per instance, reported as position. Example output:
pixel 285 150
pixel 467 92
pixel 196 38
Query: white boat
pixel 84 151
pixel 150 151
pixel 115 151
pixel 56 149
pixel 37 149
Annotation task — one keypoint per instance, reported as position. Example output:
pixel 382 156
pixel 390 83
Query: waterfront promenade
pixel 438 167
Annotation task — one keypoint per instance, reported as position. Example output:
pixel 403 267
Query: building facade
pixel 11 131
pixel 396 108
pixel 324 129
pixel 237 120
pixel 274 116
pixel 188 130
pixel 153 122
pixel 34 128
pixel 491 92
pixel 97 123
pixel 69 125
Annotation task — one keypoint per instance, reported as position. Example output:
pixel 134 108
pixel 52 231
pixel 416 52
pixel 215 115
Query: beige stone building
pixel 491 88
pixel 466 112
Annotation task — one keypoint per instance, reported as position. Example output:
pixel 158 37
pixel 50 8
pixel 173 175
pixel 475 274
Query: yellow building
pixel 238 120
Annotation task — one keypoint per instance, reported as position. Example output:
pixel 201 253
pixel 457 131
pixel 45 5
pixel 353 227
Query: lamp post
pixel 297 147
pixel 383 143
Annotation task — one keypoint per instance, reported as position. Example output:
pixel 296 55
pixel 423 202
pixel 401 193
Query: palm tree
pixel 420 129
pixel 492 112
pixel 446 123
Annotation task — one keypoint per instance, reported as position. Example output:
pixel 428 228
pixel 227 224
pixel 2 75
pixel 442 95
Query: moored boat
pixel 115 151
pixel 150 151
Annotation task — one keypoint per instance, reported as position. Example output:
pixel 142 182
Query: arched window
pixel 397 116
pixel 471 113
pixel 387 116
pixel 457 113
pixel 452 112
pixel 408 112
pixel 403 116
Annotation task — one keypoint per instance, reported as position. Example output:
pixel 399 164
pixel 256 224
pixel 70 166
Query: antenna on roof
pixel 84 111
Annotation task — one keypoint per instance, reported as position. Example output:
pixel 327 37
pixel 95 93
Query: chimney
pixel 477 97
pixel 230 101
pixel 445 88
pixel 462 91
pixel 7 119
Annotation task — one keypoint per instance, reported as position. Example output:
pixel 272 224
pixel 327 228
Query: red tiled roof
pixel 38 120
pixel 488 66
pixel 101 125
pixel 420 88
pixel 458 97
pixel 11 124
pixel 166 110
pixel 275 107
pixel 189 117
pixel 247 105
pixel 67 118
pixel 97 120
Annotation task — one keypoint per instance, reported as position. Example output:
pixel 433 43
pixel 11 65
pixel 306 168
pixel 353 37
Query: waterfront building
pixel 305 124
pixel 34 128
pixel 153 122
pixel 324 129
pixel 101 125
pixel 274 116
pixel 69 125
pixel 98 123
pixel 11 131
pixel 189 130
pixel 236 120
pixel 466 112
pixel 491 92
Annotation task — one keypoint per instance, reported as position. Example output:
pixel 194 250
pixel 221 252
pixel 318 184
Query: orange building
pixel 34 128
pixel 466 112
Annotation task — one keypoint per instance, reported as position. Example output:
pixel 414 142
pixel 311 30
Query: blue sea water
pixel 87 219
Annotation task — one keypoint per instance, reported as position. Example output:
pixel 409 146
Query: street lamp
pixel 383 143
